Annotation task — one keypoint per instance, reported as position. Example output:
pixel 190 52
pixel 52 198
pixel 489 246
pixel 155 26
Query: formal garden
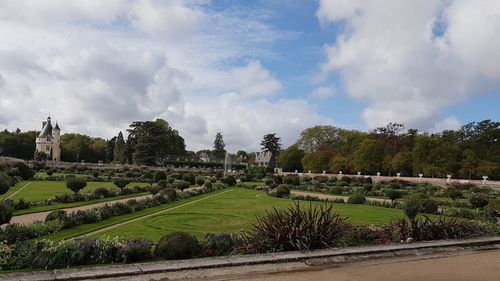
pixel 61 217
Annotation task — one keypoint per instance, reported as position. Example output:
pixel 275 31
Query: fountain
pixel 227 164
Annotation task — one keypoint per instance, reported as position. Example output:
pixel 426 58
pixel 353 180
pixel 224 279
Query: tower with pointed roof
pixel 49 140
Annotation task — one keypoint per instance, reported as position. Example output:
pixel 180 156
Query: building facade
pixel 49 140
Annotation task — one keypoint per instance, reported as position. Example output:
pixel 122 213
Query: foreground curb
pixel 309 258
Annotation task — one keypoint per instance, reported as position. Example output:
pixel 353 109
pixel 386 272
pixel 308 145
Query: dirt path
pixel 31 218
pixel 150 215
pixel 17 191
pixel 327 196
pixel 477 266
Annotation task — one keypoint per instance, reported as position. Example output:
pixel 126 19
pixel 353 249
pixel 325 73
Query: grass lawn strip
pixel 13 190
pixel 87 228
pixel 154 214
pixel 234 212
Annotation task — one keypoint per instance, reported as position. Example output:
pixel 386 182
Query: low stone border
pixel 308 258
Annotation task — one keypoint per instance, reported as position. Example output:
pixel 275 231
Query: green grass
pixel 13 189
pixel 235 211
pixel 41 190
pixel 86 228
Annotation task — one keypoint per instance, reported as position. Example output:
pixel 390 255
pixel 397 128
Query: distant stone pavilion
pixel 49 140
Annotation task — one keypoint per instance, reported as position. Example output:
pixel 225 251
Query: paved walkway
pixel 333 197
pixel 31 218
pixel 467 266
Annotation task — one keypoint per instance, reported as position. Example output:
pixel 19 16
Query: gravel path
pixel 31 218
pixel 328 196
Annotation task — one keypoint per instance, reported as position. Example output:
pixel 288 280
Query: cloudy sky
pixel 247 68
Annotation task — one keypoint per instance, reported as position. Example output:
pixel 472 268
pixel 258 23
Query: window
pixel 48 139
pixel 47 148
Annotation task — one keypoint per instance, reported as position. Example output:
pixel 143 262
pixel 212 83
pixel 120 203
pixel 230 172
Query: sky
pixel 249 67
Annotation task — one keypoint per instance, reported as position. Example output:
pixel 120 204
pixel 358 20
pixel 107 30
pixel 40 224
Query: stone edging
pixel 327 256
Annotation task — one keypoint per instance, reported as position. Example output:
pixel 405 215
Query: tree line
pixel 469 152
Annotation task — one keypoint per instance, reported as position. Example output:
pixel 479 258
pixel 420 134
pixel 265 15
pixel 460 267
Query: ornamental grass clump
pixel 296 228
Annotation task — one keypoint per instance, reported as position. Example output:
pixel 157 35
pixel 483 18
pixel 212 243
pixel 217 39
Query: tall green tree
pixel 290 159
pixel 119 152
pixel 110 150
pixel 271 143
pixel 153 140
pixel 219 146
pixel 368 157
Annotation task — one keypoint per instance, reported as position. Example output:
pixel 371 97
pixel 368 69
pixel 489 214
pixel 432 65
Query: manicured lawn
pixel 235 211
pixel 13 189
pixel 41 190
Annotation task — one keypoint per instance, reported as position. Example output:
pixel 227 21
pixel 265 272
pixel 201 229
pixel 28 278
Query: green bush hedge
pixel 178 245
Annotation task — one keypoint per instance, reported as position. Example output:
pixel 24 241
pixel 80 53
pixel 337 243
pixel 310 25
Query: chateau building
pixel 49 140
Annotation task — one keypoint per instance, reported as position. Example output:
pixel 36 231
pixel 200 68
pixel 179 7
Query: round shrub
pixel 50 172
pixel 337 190
pixel 189 178
pixel 121 183
pixel 76 184
pixel 229 180
pixel 178 245
pixel 282 191
pixel 25 172
pixel 392 194
pixel 356 199
pixel 6 212
pixel 159 175
pixel 292 180
pixel 4 186
pixel 478 200
pixel 180 184
pixel 102 191
pixel 95 174
pixel 56 215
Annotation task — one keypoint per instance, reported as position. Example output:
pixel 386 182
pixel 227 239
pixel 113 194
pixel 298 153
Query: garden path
pixel 33 217
pixel 333 197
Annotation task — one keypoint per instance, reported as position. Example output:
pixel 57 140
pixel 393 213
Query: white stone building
pixel 49 140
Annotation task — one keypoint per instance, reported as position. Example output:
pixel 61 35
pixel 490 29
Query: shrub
pixel 121 183
pixel 292 180
pixel 283 230
pixel 441 228
pixel 200 180
pixel 478 200
pixel 102 192
pixel 50 172
pixel 159 175
pixel 56 215
pixel 6 212
pixel 189 178
pixel 412 207
pixel 392 194
pixel 76 184
pixel 171 193
pixel 220 244
pixel 429 206
pixel 282 191
pixel 454 193
pixel 337 190
pixel 25 172
pixel 4 187
pixel 356 199
pixel 136 250
pixel 229 180
pixel 346 179
pixel 178 245
pixel 181 184
pixel 375 235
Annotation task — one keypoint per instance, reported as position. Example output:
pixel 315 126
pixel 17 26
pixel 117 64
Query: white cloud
pixel 390 57
pixel 255 81
pixel 449 123
pixel 96 66
pixel 322 92
pixel 244 122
